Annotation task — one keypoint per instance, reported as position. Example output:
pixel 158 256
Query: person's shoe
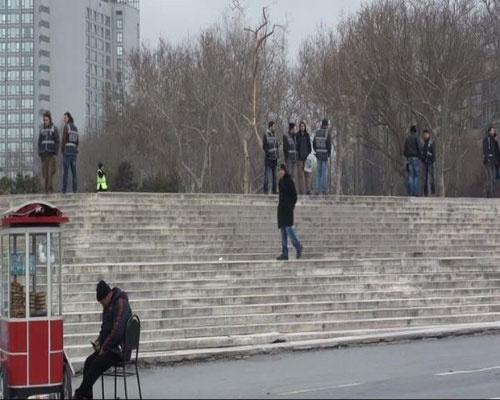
pixel 282 258
pixel 300 250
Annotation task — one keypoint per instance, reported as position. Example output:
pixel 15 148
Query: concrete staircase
pixel 200 269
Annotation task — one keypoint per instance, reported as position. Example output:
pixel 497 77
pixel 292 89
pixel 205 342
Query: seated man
pixel 108 348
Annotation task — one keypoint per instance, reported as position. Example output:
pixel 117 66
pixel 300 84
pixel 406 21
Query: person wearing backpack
pixel 69 149
pixel 48 147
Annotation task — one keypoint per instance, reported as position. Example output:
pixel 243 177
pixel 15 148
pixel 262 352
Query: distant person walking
pixel 286 206
pixel 69 150
pixel 290 150
pixel 413 154
pixel 102 183
pixel 304 149
pixel 322 145
pixel 271 146
pixel 48 146
pixel 491 156
pixel 429 160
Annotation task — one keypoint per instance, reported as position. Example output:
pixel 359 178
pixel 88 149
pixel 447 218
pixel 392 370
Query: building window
pixel 13 133
pixel 28 90
pixel 119 23
pixel 13 118
pixel 13 90
pixel 108 21
pixel 14 4
pixel 119 37
pixel 28 118
pixel 27 47
pixel 28 18
pixel 28 33
pixel 27 4
pixel 27 104
pixel 27 75
pixel 119 50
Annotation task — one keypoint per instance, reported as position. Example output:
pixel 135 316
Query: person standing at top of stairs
pixel 322 145
pixel 271 145
pixel 413 154
pixel 48 147
pixel 286 206
pixel 491 156
pixel 102 183
pixel 429 160
pixel 290 150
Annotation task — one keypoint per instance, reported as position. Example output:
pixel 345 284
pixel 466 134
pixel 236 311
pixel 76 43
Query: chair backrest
pixel 132 336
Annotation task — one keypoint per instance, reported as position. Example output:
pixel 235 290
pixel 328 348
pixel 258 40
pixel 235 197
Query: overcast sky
pixel 176 19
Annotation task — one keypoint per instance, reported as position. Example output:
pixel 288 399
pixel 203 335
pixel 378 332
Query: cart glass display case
pixel 31 324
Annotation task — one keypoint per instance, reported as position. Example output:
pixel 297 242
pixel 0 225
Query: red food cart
pixel 32 359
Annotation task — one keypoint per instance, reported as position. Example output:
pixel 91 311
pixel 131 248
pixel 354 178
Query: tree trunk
pixel 246 167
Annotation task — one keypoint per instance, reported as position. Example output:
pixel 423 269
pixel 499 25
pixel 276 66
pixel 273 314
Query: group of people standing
pixel 419 152
pixel 49 145
pixel 298 149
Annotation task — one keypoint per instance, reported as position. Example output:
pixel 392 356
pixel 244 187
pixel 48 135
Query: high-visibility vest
pixel 292 147
pixel 321 149
pixel 72 143
pixel 101 182
pixel 273 144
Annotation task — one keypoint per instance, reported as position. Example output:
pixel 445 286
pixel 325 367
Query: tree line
pixel 193 113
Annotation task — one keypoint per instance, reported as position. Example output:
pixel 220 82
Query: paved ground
pixel 450 368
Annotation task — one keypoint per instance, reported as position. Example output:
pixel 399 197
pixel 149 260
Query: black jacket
pixel 48 141
pixel 412 147
pixel 491 150
pixel 287 201
pixel 429 152
pixel 114 323
pixel 304 147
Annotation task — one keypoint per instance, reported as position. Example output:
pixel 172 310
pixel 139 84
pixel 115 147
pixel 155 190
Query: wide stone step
pixel 294 327
pixel 153 325
pixel 155 281
pixel 327 265
pixel 297 307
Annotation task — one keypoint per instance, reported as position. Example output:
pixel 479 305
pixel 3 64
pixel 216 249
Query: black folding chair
pixel 132 339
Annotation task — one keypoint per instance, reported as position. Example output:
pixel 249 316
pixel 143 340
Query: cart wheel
pixel 4 387
pixel 67 392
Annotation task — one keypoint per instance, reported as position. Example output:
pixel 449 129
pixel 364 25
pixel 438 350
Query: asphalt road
pixel 450 368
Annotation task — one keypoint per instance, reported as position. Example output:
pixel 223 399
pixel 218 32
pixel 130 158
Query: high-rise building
pixel 58 55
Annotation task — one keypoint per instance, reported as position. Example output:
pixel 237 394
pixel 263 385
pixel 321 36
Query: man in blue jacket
pixel 109 346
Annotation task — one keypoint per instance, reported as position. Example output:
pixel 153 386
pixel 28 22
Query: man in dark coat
pixel 413 154
pixel 429 160
pixel 286 206
pixel 491 157
pixel 270 145
pixel 109 347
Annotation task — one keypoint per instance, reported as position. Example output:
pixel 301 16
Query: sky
pixel 177 19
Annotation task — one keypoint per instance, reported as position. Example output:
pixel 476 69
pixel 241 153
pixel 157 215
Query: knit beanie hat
pixel 102 290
